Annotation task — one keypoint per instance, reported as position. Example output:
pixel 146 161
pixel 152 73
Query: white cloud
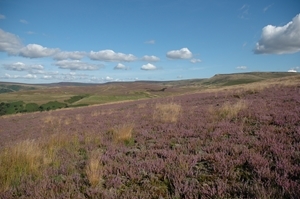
pixel 36 51
pixel 110 55
pixel 151 58
pixel 76 65
pixel 241 67
pixel 244 11
pixel 28 76
pixel 2 16
pixel 75 55
pixel 281 39
pixel 294 70
pixel 24 21
pixel 150 42
pixel 30 33
pixel 9 43
pixel 19 66
pixel 148 67
pixel 183 53
pixel 71 76
pixel 120 66
pixel 267 7
pixel 195 61
pixel 108 78
pixel 47 77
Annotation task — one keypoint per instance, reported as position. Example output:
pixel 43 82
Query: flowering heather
pixel 229 144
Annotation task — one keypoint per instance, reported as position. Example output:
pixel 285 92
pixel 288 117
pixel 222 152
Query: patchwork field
pixel 193 140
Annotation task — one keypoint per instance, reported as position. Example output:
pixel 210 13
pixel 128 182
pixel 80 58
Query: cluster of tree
pixel 21 107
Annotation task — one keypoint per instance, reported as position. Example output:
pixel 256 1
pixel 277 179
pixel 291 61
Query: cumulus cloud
pixel 75 55
pixel 9 43
pixel 281 39
pixel 148 67
pixel 37 51
pixel 76 65
pixel 110 55
pixel 2 16
pixel 151 58
pixel 194 61
pixel 120 66
pixel 241 67
pixel 183 53
pixel 292 71
pixel 108 78
pixel 19 66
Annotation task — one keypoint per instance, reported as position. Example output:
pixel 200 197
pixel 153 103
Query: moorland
pixel 229 136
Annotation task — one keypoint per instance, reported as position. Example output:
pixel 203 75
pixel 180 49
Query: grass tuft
pixel 168 112
pixel 227 110
pixel 94 168
pixel 123 133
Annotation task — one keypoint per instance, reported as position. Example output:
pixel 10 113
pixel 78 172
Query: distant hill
pixel 245 78
pixel 216 80
pixel 13 87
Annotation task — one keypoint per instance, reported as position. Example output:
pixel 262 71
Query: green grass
pixel 75 98
pixel 52 106
pixel 239 81
pixel 31 107
pixel 100 99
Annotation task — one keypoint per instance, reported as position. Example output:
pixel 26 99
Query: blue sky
pixel 98 41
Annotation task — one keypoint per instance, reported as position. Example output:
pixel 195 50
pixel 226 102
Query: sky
pixel 98 41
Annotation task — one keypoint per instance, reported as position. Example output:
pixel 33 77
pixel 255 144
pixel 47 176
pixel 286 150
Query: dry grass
pixel 94 168
pixel 24 158
pixel 227 110
pixel 95 113
pixel 79 118
pixel 29 159
pixel 168 112
pixel 143 105
pixel 123 133
pixel 55 142
pixel 51 120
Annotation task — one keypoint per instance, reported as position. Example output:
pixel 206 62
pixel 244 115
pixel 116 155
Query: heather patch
pixel 220 146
